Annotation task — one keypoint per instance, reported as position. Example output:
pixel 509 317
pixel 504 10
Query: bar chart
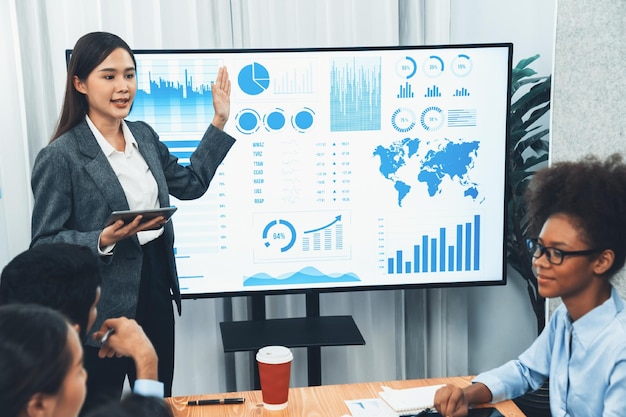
pixel 355 94
pixel 450 250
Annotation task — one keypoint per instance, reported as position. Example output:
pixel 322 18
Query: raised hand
pixel 221 98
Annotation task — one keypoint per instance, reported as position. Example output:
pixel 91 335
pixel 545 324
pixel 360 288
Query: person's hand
pixel 450 401
pixel 220 90
pixel 129 339
pixel 118 230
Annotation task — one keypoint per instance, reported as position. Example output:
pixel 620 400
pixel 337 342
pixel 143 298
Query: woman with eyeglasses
pixel 578 212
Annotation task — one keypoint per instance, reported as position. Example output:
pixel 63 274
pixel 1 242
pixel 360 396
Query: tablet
pixel 149 214
pixel 475 412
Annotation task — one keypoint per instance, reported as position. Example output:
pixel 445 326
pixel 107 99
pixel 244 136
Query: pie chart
pixel 253 79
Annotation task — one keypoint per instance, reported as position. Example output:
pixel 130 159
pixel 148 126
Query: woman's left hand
pixel 220 90
pixel 119 230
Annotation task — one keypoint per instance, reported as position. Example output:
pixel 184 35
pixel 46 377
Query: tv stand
pixel 312 332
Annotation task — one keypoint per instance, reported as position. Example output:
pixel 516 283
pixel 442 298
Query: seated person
pixel 61 276
pixel 65 277
pixel 578 212
pixel 134 405
pixel 41 363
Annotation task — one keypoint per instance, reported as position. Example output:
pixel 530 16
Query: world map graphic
pixel 443 166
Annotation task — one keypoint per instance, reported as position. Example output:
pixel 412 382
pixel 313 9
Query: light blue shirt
pixel 148 388
pixel 588 379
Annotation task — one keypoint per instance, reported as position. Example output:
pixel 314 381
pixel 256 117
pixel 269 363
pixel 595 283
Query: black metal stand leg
pixel 257 308
pixel 314 358
pixel 314 353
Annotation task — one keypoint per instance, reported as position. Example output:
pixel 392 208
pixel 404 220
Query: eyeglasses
pixel 553 255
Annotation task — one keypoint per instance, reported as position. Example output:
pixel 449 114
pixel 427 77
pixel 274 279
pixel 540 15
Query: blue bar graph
pixel 442 249
pixel 425 254
pixel 433 92
pixel 175 96
pixel 459 247
pixel 169 104
pixel 433 254
pixel 468 245
pixel 355 94
pixel 406 91
pixel 476 243
pixel 461 92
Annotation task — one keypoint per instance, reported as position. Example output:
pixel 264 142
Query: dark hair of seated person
pixel 34 355
pixel 134 405
pixel 62 276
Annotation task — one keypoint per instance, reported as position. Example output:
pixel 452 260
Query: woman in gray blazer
pixel 97 163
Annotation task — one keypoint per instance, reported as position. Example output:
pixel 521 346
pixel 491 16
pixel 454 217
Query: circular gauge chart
pixel 253 79
pixel 432 118
pixel 274 120
pixel 433 66
pixel 406 67
pixel 462 65
pixel 280 234
pixel 303 120
pixel 403 119
pixel 248 121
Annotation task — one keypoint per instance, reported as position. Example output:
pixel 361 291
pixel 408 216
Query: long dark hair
pixel 34 354
pixel 90 50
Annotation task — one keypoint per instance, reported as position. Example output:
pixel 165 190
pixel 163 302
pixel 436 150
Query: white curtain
pixel 409 334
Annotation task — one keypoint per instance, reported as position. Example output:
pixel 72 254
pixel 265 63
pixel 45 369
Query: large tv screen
pixel 354 168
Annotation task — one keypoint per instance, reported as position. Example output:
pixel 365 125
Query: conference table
pixel 314 401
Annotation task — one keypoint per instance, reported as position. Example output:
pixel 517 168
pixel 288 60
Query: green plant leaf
pixel 527 152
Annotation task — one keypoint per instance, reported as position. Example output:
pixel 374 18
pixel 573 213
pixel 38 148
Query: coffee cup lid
pixel 274 354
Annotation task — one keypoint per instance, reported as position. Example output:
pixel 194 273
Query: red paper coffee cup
pixel 274 373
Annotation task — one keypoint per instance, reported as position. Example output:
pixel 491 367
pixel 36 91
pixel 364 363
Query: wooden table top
pixel 316 401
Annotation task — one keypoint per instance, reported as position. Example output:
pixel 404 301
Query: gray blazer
pixel 76 189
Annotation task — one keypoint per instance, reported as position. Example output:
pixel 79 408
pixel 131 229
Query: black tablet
pixel 484 412
pixel 149 214
pixel 474 412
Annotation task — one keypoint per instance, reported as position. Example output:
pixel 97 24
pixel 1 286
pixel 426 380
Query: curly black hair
pixel 592 192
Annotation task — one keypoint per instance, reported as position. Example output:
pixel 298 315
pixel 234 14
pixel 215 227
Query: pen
pixel 217 401
pixel 106 335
